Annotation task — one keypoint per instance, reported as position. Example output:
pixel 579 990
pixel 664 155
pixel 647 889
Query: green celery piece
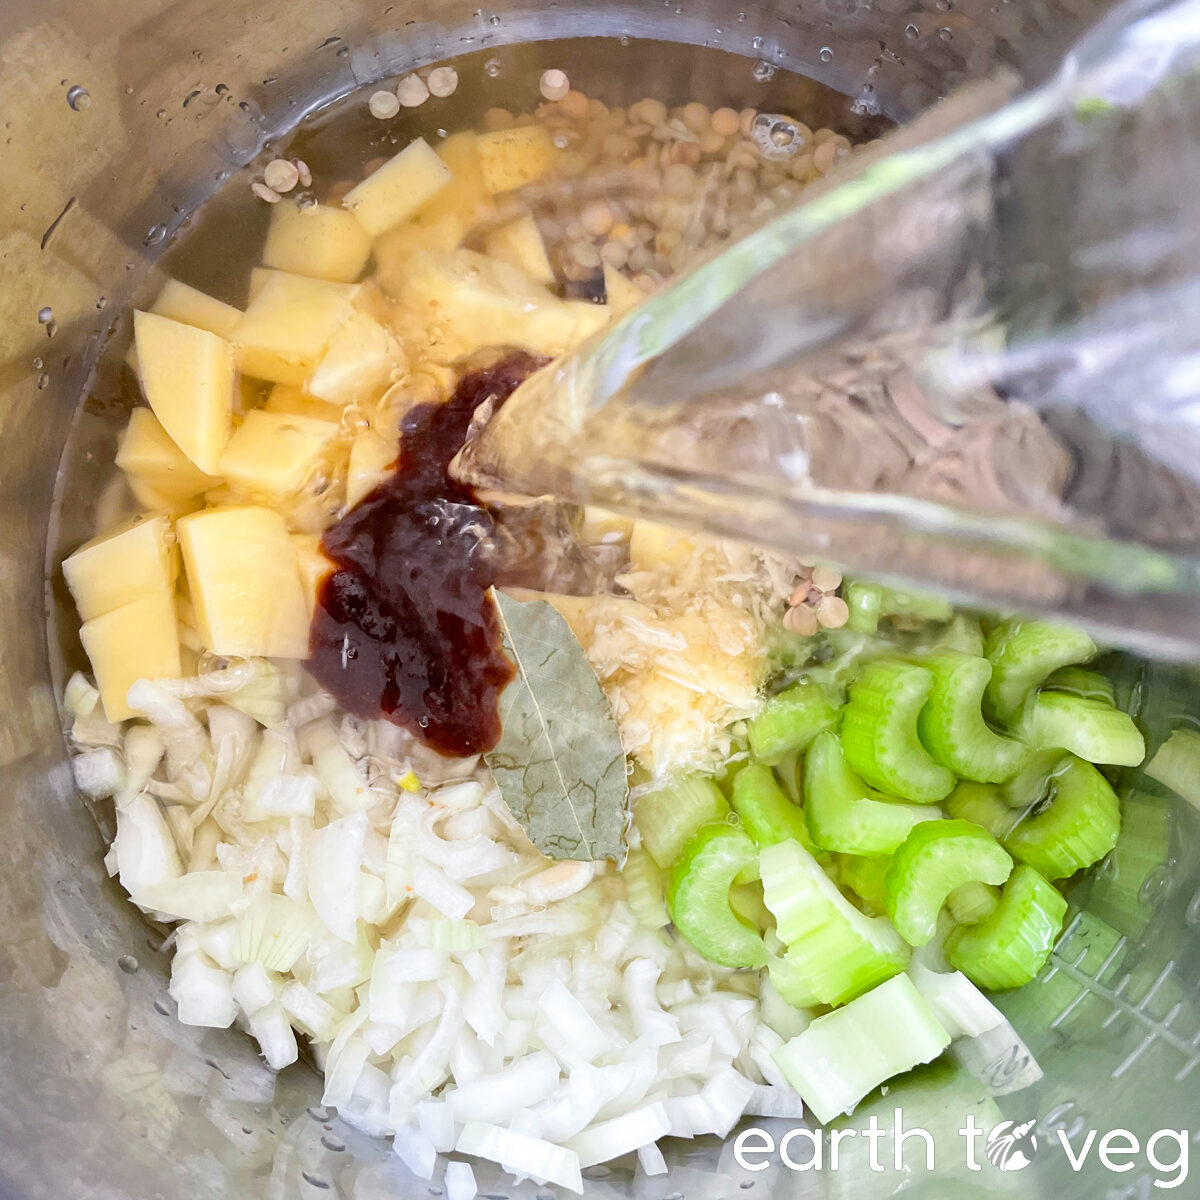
pixel 963 634
pixel 879 732
pixel 1091 729
pixel 951 725
pixel 667 818
pixel 936 858
pixel 985 805
pixel 1013 944
pixel 698 898
pixel 790 721
pixel 845 815
pixel 787 771
pixel 973 902
pixel 1077 825
pixel 767 815
pixel 644 890
pixel 1023 653
pixel 1079 681
pixel 864 876
pixel 1176 764
pixel 790 979
pixel 870 602
pixel 834 952
pixel 1032 782
pixel 746 900
pixel 1127 887
pixel 844 1055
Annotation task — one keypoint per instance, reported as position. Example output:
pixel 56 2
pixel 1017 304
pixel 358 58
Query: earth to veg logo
pixel 1011 1146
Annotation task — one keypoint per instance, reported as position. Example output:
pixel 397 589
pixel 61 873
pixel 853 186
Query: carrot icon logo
pixel 1010 1146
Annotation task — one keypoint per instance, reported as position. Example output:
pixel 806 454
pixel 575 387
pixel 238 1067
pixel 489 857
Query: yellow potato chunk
pixel 179 302
pixel 601 525
pixel 313 564
pixel 272 454
pixel 461 302
pixel 156 502
pixel 370 457
pixel 321 241
pixel 288 325
pixel 149 458
pixel 620 292
pixel 291 398
pixel 188 377
pixel 394 248
pixel 654 547
pixel 258 277
pixel 512 158
pixel 139 640
pixel 398 188
pixel 465 196
pixel 111 571
pixel 520 244
pixel 362 358
pixel 244 582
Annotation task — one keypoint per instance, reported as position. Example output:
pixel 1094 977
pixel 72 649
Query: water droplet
pixel 316 1111
pixel 162 112
pixel 764 71
pixel 43 382
pixel 38 363
pixel 342 52
pixel 155 235
pixel 624 41
pixel 944 5
pixel 78 98
pixel 101 301
pixel 491 68
pixel 826 54
pixel 493 20
pixel 911 32
pixel 423 722
pixel 45 315
pixel 222 89
pixel 945 34
pixel 757 43
pixel 561 141
pixel 161 1007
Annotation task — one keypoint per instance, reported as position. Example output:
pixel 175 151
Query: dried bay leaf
pixel 559 763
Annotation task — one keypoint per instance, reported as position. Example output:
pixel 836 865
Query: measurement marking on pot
pixel 70 204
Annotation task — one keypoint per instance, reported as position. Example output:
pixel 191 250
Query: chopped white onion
pixel 335 853
pixel 338 771
pixel 274 1033
pixel 622 1135
pixel 415 1151
pixel 492 1099
pixel 98 773
pixel 203 994
pixel 197 896
pixel 252 988
pixel 521 1154
pixel 459 1181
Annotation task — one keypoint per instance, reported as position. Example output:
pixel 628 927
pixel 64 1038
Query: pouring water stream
pixel 967 359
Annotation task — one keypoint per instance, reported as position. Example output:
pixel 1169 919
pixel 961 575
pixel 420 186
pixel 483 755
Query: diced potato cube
pixel 362 358
pixel 139 640
pixel 313 564
pixel 320 240
pixel 258 277
pixel 465 196
pixel 370 457
pixel 512 158
pixel 244 582
pixel 272 454
pixel 291 398
pixel 156 502
pixel 620 292
pixel 520 244
pixel 111 571
pixel 188 377
pixel 289 324
pixel 179 302
pixel 146 454
pixel 464 301
pixel 397 246
pixel 398 188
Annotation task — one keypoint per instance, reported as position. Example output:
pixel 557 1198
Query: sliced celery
pixel 844 1055
pixel 789 976
pixel 879 732
pixel 1012 945
pixel 1127 887
pixel 1023 653
pixel 787 771
pixel 790 721
pixel 1091 729
pixel 746 900
pixel 1079 681
pixel 767 815
pixel 644 890
pixel 864 876
pixel 936 858
pixel 667 818
pixel 1032 782
pixel 845 815
pixel 1075 826
pixel 1176 764
pixel 698 896
pixel 834 951
pixel 973 902
pixel 985 805
pixel 870 602
pixel 951 726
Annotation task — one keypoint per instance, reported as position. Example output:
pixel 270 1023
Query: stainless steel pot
pixel 116 121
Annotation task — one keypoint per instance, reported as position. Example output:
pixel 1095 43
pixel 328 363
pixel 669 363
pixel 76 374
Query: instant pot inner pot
pixel 119 121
